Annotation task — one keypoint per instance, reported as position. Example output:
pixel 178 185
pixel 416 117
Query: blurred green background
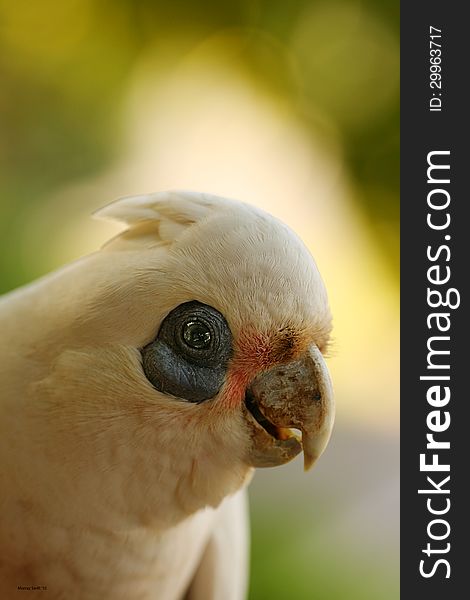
pixel 293 106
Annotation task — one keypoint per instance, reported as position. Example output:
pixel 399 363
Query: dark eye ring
pixel 189 356
pixel 196 334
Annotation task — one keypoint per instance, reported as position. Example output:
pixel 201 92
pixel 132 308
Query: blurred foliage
pixel 65 68
pixel 283 566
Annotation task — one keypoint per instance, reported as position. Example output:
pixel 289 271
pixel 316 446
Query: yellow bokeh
pixel 290 106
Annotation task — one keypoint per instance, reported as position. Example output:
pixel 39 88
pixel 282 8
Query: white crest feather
pixel 159 217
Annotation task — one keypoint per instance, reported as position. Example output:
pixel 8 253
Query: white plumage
pixel 109 487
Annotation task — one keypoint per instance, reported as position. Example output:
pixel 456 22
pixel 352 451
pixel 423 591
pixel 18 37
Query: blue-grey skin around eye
pixel 190 373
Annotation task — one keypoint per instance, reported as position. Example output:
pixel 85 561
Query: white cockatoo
pixel 141 385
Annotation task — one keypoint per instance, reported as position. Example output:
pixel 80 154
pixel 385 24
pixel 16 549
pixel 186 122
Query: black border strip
pixel 424 131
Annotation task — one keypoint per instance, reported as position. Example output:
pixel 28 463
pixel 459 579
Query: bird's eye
pixel 196 334
pixel 190 354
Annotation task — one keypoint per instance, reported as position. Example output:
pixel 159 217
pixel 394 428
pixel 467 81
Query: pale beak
pixel 296 395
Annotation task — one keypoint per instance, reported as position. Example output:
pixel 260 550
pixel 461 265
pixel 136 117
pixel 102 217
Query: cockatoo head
pixel 208 319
